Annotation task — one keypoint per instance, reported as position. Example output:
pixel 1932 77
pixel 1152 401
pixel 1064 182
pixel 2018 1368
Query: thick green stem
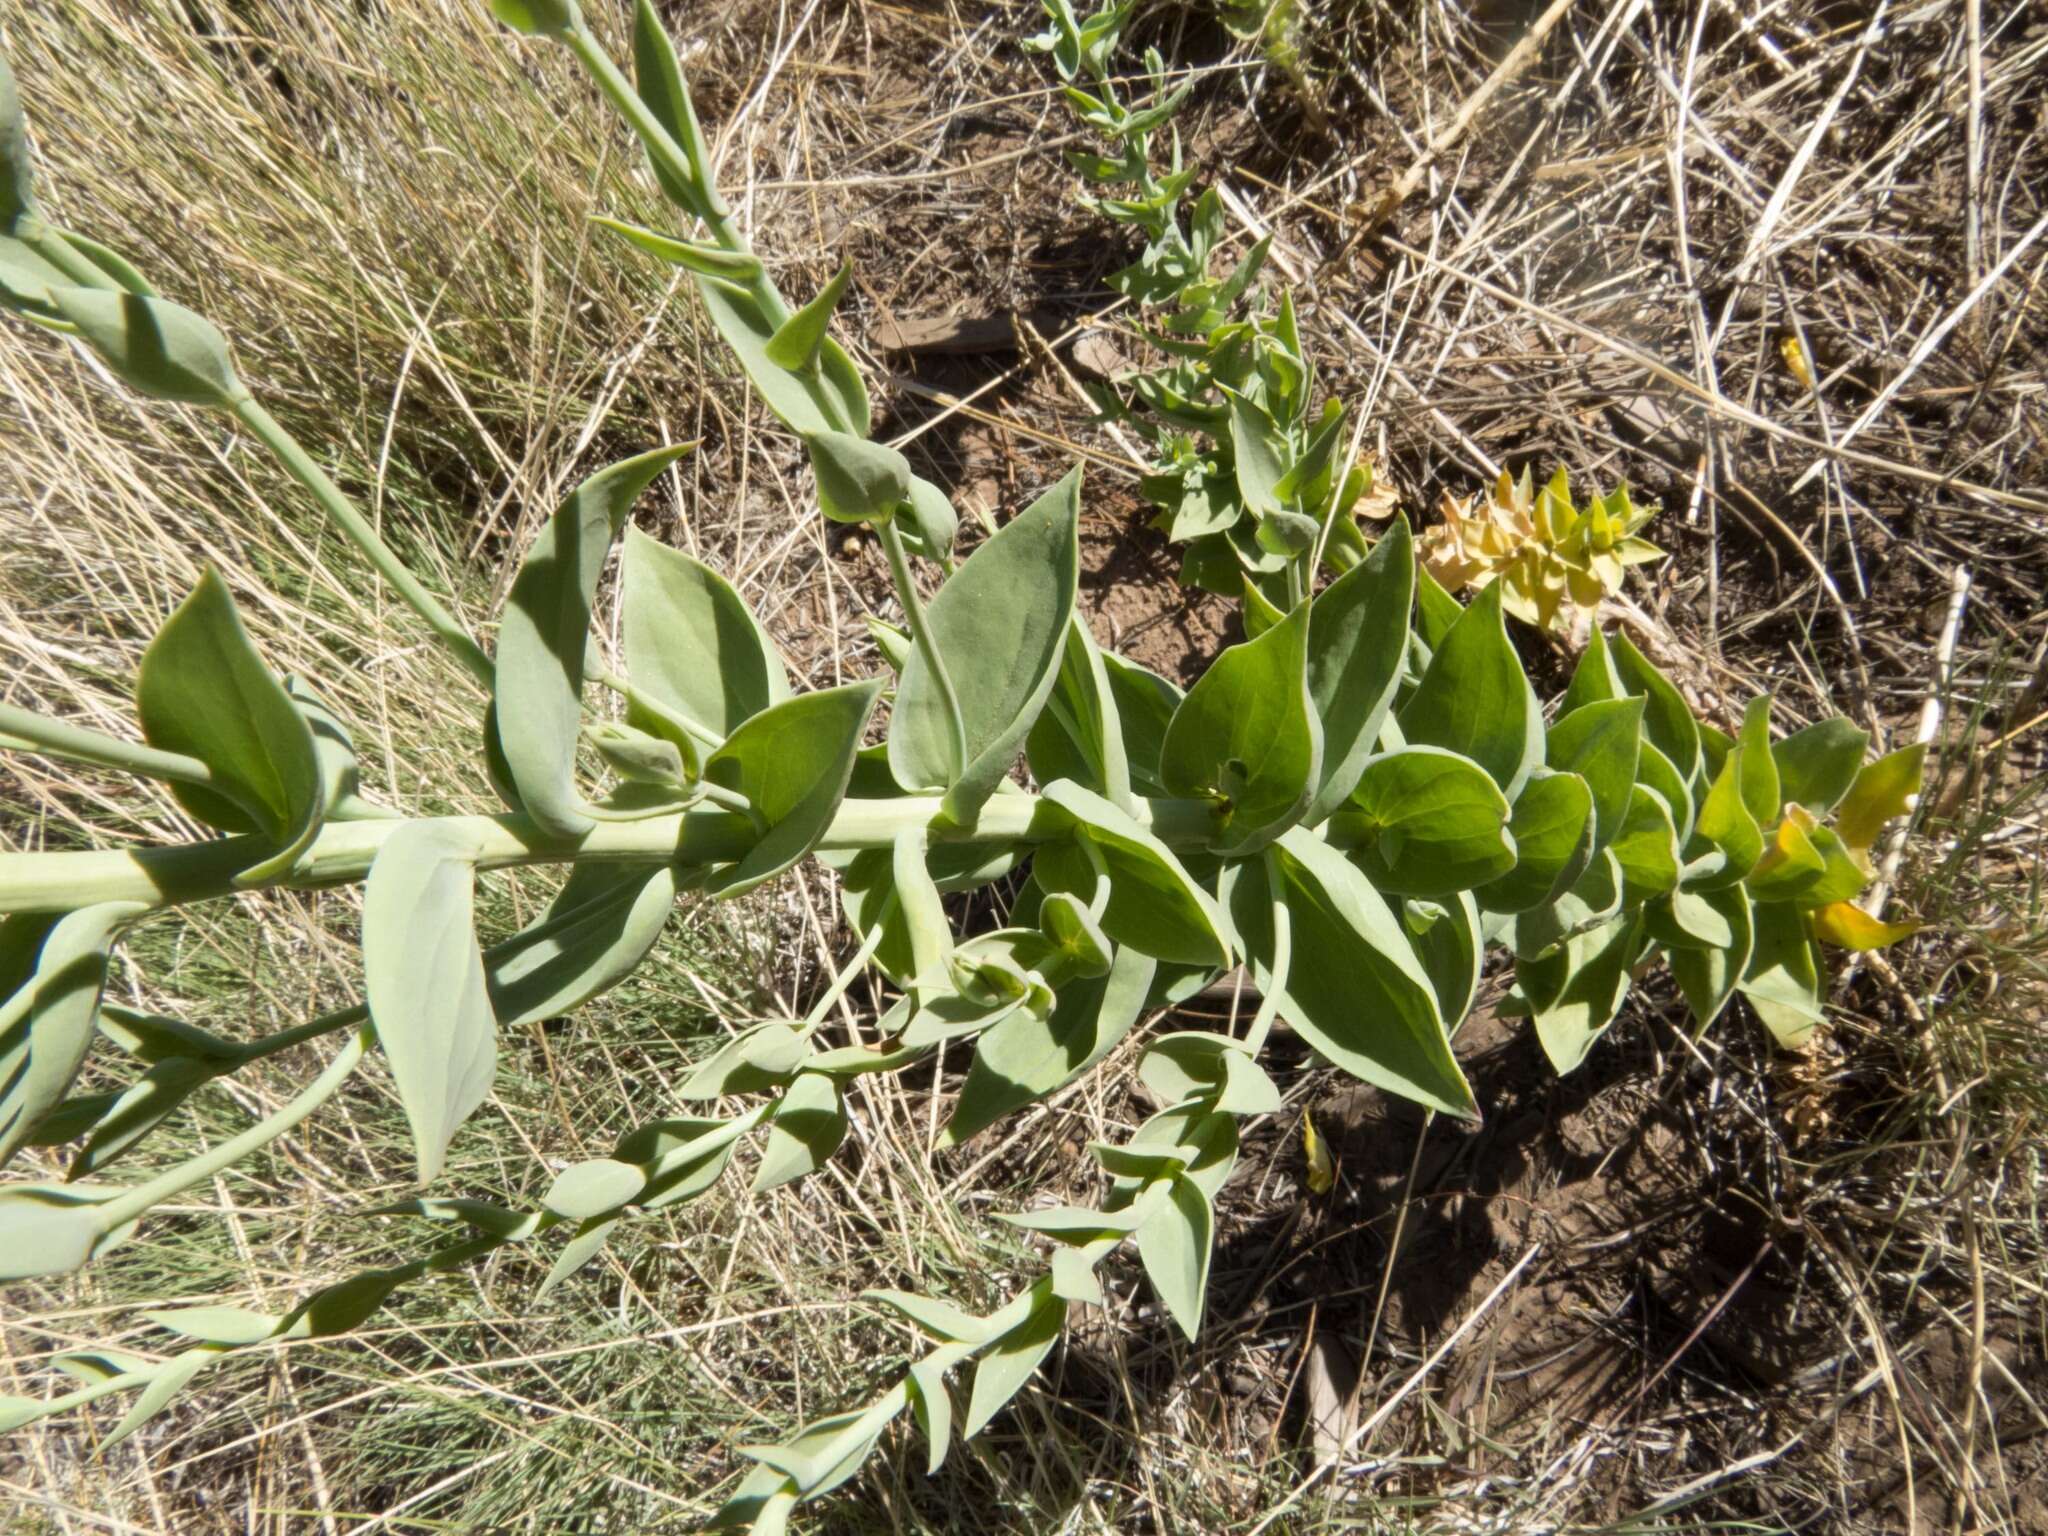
pixel 119 1212
pixel 349 518
pixel 921 637
pixel 341 853
pixel 25 730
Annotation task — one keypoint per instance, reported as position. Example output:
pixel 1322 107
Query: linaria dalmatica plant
pixel 1354 804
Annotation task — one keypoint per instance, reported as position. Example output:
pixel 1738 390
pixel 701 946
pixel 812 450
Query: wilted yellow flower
pixel 1554 560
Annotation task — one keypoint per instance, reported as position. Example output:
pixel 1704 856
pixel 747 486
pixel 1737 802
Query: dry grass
pixel 1786 1295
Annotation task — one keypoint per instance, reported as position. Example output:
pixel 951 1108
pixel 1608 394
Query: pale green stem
pixel 1283 959
pixel 921 637
pixel 349 518
pixel 118 1212
pixel 24 730
pixel 853 967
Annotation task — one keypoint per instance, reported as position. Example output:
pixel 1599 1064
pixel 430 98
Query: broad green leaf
pixel 1593 898
pixel 145 1105
pixel 1075 934
pixel 1354 988
pixel 203 691
pixel 544 636
pixel 1259 453
pixel 1436 611
pixel 796 342
pixel 333 748
pixel 1783 978
pixel 658 79
pixel 1012 1360
pixel 1725 826
pixel 1000 622
pixel 792 762
pixel 595 932
pixel 1574 993
pixel 1759 772
pixel 808 1126
pixel 424 981
pixel 1079 735
pixel 1185 1066
pixel 584 1245
pixel 1552 828
pixel 496 1220
pixel 536 17
pixel 1655 772
pixel 1204 1138
pixel 1474 699
pixel 1690 920
pixel 1667 719
pixel 859 480
pixel 1448 945
pixel 1882 790
pixel 47 1230
pixel 927 521
pixel 341 1307
pixel 1075 1223
pixel 585 1190
pixel 1024 1057
pixel 833 399
pixel 941 1319
pixel 933 1405
pixel 1599 742
pixel 46 1026
pixel 157 348
pixel 1175 1244
pixel 27 280
pixel 1708 977
pixel 1817 765
pixel 753 1061
pixel 1358 635
pixel 1429 823
pixel 1154 904
pixel 1246 737
pixel 639 758
pixel 170 1378
pixel 1595 680
pixel 217 1325
pixel 1145 703
pixel 693 648
pixel 923 914
pixel 1646 848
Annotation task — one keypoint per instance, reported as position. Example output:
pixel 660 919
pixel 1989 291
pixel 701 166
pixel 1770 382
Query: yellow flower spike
pixel 1847 926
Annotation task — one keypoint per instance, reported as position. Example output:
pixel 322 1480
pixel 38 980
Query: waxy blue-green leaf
pixel 424 981
pixel 753 1061
pixel 1259 453
pixel 792 762
pixel 544 637
pixel 1595 680
pixel 1436 612
pixel 1192 1065
pixel 1353 987
pixel 217 1325
pixel 27 280
pixel 1426 822
pixel 1247 738
pixel 537 18
pixel 1013 1359
pixel 1448 942
pixel 859 480
pixel 1474 699
pixel 1174 1244
pixel 1155 906
pixel 1000 622
pixel 941 1319
pixel 693 648
pixel 1574 993
pixel 1646 848
pixel 48 1229
pixel 1357 639
pixel 1667 718
pixel 1552 827
pixel 1025 1057
pixel 1654 771
pixel 157 348
pixel 203 691
pixel 1078 941
pixel 1599 742
pixel 1708 976
pixel 658 80
pixel 927 521
pixel 1817 765
pixel 46 1024
pixel 140 1109
pixel 1079 735
pixel 796 342
pixel 808 1126
pixel 584 1190
pixel 598 928
pixel 832 399
pixel 1690 920
pixel 1783 977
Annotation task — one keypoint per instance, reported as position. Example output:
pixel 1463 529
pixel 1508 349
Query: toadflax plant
pixel 1355 805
